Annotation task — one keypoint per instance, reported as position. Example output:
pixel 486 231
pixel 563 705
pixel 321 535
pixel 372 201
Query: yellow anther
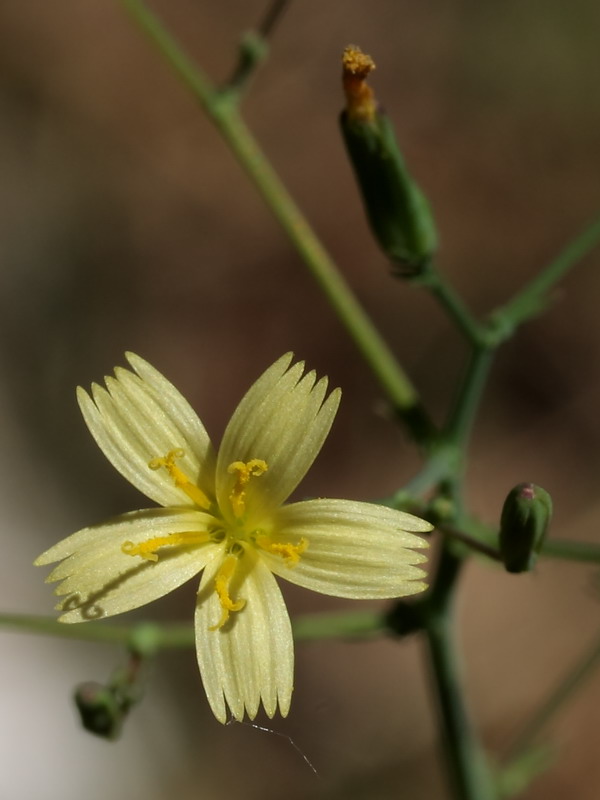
pixel 148 548
pixel 179 477
pixel 222 581
pixel 245 470
pixel 289 552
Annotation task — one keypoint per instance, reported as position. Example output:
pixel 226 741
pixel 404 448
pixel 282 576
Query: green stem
pixel 308 627
pixel 340 625
pixel 571 551
pixel 254 49
pixel 564 690
pixel 468 528
pixel 454 305
pixel 392 378
pixel 468 770
pixel 533 297
pixel 222 109
pixel 470 392
pixel 272 17
pixel 442 462
pixel 441 594
pixel 474 543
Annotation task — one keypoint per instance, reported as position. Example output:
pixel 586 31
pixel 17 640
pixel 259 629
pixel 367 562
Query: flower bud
pixel 524 521
pixel 99 709
pixel 397 210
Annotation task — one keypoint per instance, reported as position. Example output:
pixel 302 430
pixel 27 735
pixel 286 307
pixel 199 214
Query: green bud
pixel 397 210
pixel 100 710
pixel 524 522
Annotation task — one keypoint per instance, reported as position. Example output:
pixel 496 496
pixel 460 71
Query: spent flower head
pixel 225 513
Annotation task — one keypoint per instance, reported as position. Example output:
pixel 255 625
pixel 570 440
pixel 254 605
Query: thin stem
pixel 107 633
pixel 441 594
pixel 564 690
pixel 195 78
pixel 487 536
pixel 224 113
pixel 341 625
pixel 484 539
pixel 308 627
pixel 533 297
pixel 396 384
pixel 440 464
pixel 469 774
pixel 470 541
pixel 272 17
pixel 254 48
pixel 467 403
pixel 468 771
pixel 454 305
pixel 571 551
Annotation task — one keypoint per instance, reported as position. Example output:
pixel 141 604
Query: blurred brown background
pixel 126 224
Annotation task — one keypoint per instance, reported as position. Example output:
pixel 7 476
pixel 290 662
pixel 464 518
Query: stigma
pixel 180 479
pixel 244 471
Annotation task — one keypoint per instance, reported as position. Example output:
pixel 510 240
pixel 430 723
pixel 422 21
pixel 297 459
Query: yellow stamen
pixel 148 548
pixel 245 470
pixel 222 581
pixel 179 477
pixel 289 552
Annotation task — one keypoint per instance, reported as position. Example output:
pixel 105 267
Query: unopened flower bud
pixel 100 710
pixel 397 210
pixel 524 522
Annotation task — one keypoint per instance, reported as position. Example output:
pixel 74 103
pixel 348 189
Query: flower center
pixel 289 552
pixel 238 537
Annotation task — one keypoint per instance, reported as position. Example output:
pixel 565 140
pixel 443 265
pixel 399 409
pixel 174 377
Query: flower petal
pixel 145 417
pixel 100 580
pixel 357 550
pixel 251 658
pixel 283 420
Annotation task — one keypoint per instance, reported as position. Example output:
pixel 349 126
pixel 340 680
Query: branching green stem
pixel 442 474
pixel 453 304
pixel 254 49
pixel 221 107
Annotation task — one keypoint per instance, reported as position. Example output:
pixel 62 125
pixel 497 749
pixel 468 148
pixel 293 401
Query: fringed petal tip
pixel 250 661
pixel 283 420
pixel 140 417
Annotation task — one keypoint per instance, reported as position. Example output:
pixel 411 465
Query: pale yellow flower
pixel 224 514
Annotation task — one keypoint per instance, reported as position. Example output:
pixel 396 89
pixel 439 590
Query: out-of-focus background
pixel 126 224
